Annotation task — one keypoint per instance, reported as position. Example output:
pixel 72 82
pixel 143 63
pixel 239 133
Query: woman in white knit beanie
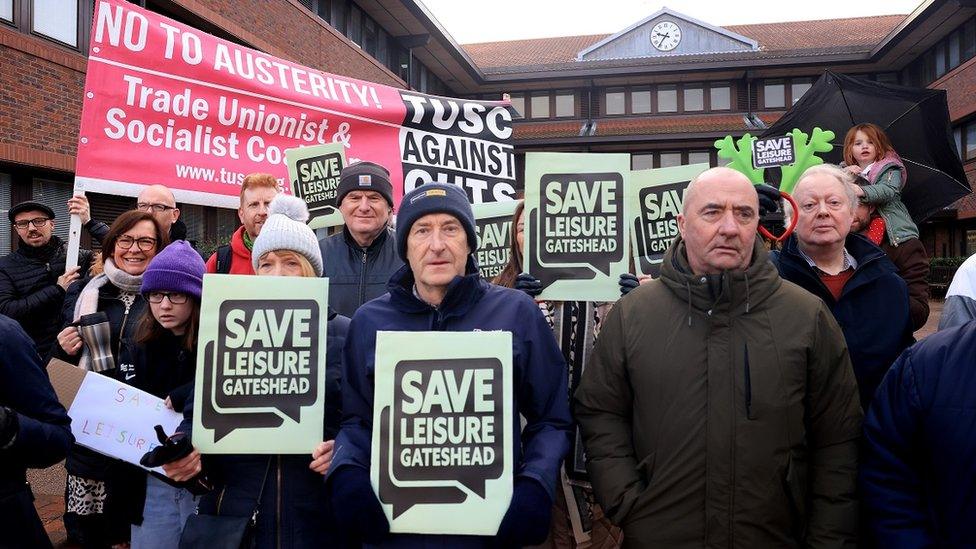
pixel 286 246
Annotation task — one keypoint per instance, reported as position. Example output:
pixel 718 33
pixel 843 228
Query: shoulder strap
pixel 257 504
pixel 224 259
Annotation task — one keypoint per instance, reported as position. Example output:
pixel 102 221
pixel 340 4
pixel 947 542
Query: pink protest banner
pixel 166 103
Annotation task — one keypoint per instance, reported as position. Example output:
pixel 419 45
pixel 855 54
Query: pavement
pixel 48 484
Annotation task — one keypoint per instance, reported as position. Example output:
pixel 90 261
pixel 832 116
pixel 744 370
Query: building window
pixel 640 102
pixel 565 104
pixel 369 35
pixel 667 99
pixel 699 157
pixel 55 194
pixel 968 46
pixel 518 103
pixel 694 99
pixel 7 14
pixel 539 106
pixel 957 137
pixel 615 103
pixel 640 161
pixel 670 159
pixel 355 24
pixel 721 97
pixel 798 88
pixel 774 95
pixel 339 10
pixel 57 19
pixel 940 59
pixel 954 50
pixel 970 141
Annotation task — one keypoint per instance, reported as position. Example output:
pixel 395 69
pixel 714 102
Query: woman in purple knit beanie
pixel 161 361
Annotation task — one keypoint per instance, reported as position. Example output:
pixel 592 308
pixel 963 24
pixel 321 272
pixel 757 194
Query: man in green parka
pixel 720 407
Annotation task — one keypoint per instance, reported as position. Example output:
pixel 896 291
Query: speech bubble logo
pixel 318 182
pixel 266 356
pixel 223 424
pixel 445 429
pixel 657 226
pixel 493 244
pixel 581 220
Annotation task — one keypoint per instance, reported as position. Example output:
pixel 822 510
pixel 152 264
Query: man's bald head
pixel 718 176
pixel 718 221
pixel 160 202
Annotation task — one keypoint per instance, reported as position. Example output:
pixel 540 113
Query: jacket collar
pixel 725 294
pixel 41 253
pixel 462 293
pixel 870 259
pixel 374 245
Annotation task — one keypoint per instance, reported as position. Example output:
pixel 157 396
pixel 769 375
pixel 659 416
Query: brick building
pixel 662 90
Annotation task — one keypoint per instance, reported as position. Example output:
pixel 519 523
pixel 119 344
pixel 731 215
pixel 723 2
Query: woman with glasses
pixel 292 506
pixel 96 513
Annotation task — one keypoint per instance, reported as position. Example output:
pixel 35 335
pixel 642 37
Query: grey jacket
pixel 356 274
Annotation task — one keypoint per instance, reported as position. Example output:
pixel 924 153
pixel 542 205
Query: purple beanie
pixel 178 268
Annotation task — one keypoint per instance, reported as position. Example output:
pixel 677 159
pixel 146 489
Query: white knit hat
pixel 285 229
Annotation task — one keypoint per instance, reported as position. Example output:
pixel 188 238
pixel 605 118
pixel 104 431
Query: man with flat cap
pixel 33 278
pixel 360 259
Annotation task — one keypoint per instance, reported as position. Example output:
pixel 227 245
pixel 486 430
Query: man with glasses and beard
pixel 33 278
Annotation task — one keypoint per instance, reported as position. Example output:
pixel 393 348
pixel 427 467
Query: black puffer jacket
pixel 357 275
pixel 82 462
pixel 29 291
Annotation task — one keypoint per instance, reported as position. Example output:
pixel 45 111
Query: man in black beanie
pixel 359 260
pixel 440 289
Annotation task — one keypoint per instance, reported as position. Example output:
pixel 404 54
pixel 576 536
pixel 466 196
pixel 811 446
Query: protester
pixel 441 289
pixel 293 511
pixel 157 200
pixel 360 259
pixel 851 275
pixel 95 516
pixel 33 278
pixel 35 432
pixel 161 360
pixel 257 192
pixel 719 407
pixel 868 154
pixel 960 301
pixel 917 476
pixel 575 324
pixel 909 257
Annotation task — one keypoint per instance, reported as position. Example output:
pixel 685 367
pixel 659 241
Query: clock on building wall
pixel 665 36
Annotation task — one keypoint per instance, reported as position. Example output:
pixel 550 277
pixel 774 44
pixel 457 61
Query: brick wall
pixel 961 87
pixel 41 84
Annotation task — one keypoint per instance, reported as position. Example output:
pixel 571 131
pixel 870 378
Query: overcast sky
pixel 497 20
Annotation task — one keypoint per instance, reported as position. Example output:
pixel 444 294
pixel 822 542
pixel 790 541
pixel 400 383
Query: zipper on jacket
pixel 747 376
pixel 220 499
pixel 125 318
pixel 278 513
pixel 362 279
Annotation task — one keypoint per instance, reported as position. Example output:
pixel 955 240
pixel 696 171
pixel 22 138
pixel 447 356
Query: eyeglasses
pixel 145 244
pixel 153 207
pixel 174 298
pixel 37 222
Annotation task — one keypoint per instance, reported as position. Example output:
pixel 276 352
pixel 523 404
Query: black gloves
pixel 528 284
pixel 9 426
pixel 171 449
pixel 627 283
pixel 769 199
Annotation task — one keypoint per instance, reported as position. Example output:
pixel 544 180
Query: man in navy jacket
pixel 440 289
pixel 918 461
pixel 854 277
pixel 34 432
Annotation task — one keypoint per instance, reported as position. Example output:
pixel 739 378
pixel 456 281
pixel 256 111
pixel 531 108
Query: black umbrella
pixel 915 119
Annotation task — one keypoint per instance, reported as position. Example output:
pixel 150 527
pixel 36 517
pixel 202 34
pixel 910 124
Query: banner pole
pixel 74 231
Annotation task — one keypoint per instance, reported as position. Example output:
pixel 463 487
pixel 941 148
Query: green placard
pixel 260 379
pixel 493 223
pixel 576 214
pixel 314 176
pixel 657 196
pixel 442 431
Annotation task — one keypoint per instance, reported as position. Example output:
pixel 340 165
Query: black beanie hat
pixel 365 176
pixel 434 198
